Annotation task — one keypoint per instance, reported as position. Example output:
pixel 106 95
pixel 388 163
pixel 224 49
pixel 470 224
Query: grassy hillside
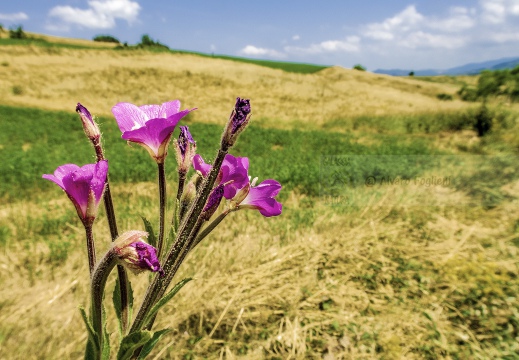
pixel 58 78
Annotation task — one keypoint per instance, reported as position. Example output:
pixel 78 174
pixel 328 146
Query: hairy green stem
pixel 162 207
pixel 99 278
pixel 91 250
pixel 114 233
pixel 159 284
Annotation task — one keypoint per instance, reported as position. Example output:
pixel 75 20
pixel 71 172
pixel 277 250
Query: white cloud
pixel 350 44
pixel 257 51
pixel 296 37
pixel 101 14
pixel 402 22
pixel 422 39
pixel 497 11
pixel 459 19
pixel 14 17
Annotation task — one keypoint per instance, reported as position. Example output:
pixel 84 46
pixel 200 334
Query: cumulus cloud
pixel 497 11
pixel 100 14
pixel 296 37
pixel 350 44
pixel 14 17
pixel 252 50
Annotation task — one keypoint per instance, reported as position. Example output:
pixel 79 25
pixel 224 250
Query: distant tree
pixel 106 38
pixel 411 73
pixel 148 42
pixel 1 27
pixel 483 121
pixel 359 67
pixel 17 32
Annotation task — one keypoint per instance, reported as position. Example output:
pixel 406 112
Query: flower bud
pixel 185 149
pixel 89 125
pixel 135 254
pixel 238 120
pixel 213 202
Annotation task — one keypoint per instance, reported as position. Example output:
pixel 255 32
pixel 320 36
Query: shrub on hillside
pixel 148 42
pixel 106 38
pixel 17 33
pixel 359 67
pixel 444 97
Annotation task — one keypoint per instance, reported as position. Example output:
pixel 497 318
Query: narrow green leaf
pixel 105 354
pixel 146 350
pixel 93 342
pixel 116 299
pixel 132 342
pixel 152 239
pixel 165 300
pixel 130 301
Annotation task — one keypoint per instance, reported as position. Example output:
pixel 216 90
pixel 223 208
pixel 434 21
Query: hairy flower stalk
pixel 131 251
pixel 94 134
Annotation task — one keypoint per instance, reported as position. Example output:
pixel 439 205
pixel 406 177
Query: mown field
pixel 348 271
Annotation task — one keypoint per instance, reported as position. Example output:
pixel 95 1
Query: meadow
pixel 348 271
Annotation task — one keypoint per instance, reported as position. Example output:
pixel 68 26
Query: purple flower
pixel 83 185
pixel 149 125
pixel 185 149
pixel 260 197
pixel 233 173
pixel 89 125
pixel 134 253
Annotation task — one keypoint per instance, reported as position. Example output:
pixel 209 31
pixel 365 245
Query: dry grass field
pixel 415 272
pixel 57 78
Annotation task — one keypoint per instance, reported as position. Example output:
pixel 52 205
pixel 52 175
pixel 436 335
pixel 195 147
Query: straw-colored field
pixel 53 78
pixel 412 273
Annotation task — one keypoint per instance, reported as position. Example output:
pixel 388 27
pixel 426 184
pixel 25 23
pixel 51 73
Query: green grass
pixel 50 139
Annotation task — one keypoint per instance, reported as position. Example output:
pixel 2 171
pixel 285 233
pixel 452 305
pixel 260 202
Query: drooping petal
pixel 200 165
pixel 78 190
pixel 60 172
pixel 99 179
pixel 129 116
pixel 261 198
pixel 171 107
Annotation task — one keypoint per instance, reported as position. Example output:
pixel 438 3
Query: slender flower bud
pixel 134 253
pixel 185 148
pixel 213 202
pixel 238 120
pixel 89 125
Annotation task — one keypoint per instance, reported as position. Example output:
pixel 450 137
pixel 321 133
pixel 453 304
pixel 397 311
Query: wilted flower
pixel 259 197
pixel 233 173
pixel 89 125
pixel 185 149
pixel 83 185
pixel 134 253
pixel 149 125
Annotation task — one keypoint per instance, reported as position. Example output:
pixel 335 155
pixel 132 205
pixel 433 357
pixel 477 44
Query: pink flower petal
pixel 129 116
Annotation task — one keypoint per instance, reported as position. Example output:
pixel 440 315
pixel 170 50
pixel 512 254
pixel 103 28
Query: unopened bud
pixel 89 125
pixel 238 120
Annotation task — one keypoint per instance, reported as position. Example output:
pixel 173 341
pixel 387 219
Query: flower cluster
pixel 197 212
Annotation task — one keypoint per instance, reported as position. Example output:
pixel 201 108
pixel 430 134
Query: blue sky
pixel 386 34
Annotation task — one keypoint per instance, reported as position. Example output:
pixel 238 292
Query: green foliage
pixel 444 97
pixel 57 138
pixel 497 83
pixel 483 121
pixel 359 67
pixel 148 42
pixel 17 33
pixel 152 238
pixel 106 38
pixel 17 90
pixel 411 73
pixel 131 342
pixel 150 344
pixel 165 299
